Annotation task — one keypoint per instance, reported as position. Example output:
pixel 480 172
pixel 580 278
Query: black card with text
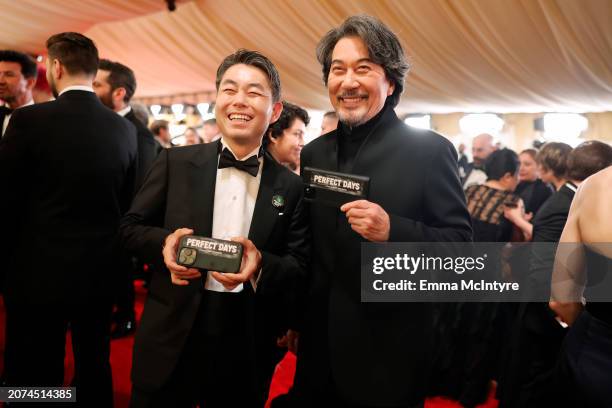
pixel 209 254
pixel 333 188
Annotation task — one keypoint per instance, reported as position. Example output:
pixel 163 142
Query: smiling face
pixel 358 88
pixel 244 107
pixel 12 82
pixel 287 147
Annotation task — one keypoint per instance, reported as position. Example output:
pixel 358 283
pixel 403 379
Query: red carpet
pixel 121 362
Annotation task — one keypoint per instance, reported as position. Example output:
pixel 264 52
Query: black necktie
pixel 5 110
pixel 250 165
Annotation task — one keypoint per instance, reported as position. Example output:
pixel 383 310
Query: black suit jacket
pixel 147 150
pixel 67 170
pixel 179 192
pixel 547 227
pixel 2 116
pixel 377 353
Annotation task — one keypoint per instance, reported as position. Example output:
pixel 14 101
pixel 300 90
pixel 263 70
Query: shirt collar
pixel 76 88
pixel 124 111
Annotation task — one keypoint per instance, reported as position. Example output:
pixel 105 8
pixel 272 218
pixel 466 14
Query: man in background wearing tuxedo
pixel 207 337
pixel 115 84
pixel 17 79
pixel 67 173
pixel 372 354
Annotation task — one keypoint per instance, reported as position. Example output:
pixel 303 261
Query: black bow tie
pixel 6 110
pixel 250 165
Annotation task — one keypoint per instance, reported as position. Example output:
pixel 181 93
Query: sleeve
pixel 281 273
pixel 146 154
pixel 446 218
pixel 14 159
pixel 142 230
pixel 129 187
pixel 547 229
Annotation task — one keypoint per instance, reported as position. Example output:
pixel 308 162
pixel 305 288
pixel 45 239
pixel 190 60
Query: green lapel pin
pixel 278 201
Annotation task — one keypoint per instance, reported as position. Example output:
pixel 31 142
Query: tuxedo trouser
pixel 329 398
pixel 35 349
pixel 125 289
pixel 213 370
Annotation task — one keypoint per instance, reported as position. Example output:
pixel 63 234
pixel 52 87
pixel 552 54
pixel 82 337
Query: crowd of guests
pixel 522 197
pixel 90 185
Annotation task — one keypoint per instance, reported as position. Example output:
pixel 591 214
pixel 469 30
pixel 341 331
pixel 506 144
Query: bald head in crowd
pixel 482 147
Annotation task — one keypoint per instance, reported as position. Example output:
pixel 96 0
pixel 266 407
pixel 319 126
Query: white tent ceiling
pixel 467 55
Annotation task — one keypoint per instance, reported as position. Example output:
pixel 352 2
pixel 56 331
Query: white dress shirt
pixel 235 196
pixel 124 111
pixel 8 117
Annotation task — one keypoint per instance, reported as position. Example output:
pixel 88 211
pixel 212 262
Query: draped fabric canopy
pixel 466 55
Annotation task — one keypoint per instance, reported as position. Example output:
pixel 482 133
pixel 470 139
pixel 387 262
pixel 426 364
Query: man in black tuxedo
pixel 368 354
pixel 18 74
pixel 204 336
pixel 115 84
pixel 67 170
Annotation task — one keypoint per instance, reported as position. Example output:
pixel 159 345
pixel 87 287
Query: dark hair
pixel 75 51
pixel 288 115
pixel 553 156
pixel 119 76
pixel 157 125
pixel 211 121
pixel 330 114
pixel 27 63
pixel 587 159
pixel 384 49
pixel 501 162
pixel 531 152
pixel 256 60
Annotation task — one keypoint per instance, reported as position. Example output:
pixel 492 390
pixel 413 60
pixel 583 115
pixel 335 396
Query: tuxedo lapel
pixel 266 212
pixel 203 178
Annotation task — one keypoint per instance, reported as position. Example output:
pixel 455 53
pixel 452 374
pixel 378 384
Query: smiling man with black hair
pixel 207 337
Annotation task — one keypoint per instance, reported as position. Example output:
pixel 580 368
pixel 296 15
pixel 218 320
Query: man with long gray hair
pixel 367 354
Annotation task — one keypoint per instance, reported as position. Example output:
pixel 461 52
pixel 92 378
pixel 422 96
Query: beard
pixel 107 101
pixel 8 98
pixel 353 117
